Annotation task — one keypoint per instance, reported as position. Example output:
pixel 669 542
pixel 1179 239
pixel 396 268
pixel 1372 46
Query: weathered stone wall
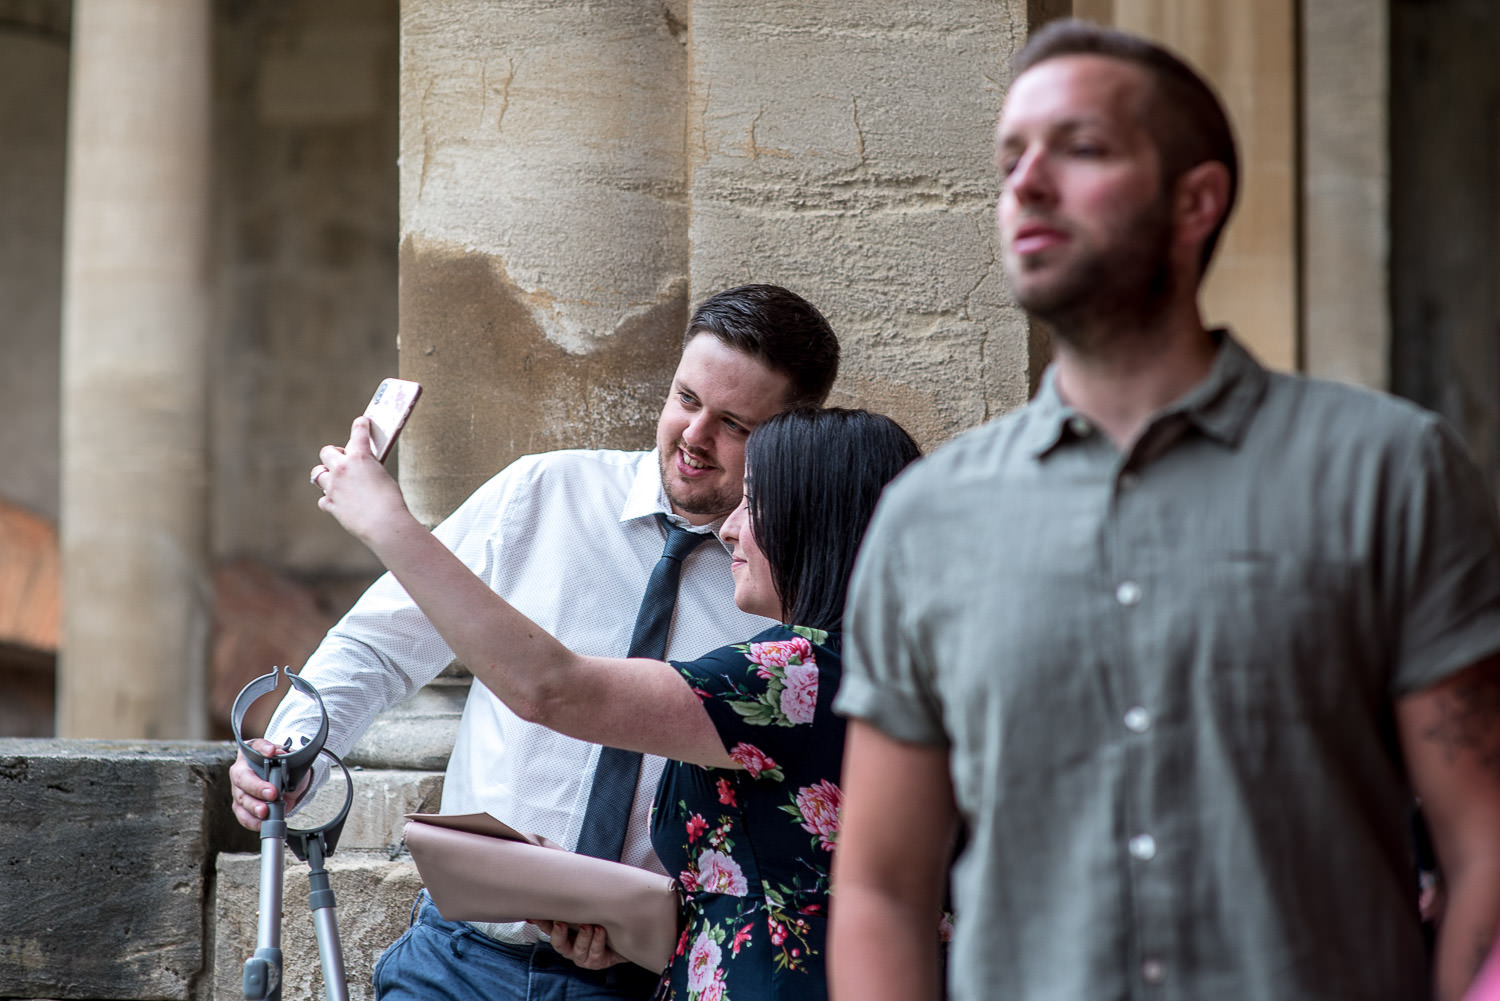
pixel 1346 317
pixel 544 229
pixel 304 319
pixel 844 149
pixel 303 316
pixel 575 176
pixel 123 874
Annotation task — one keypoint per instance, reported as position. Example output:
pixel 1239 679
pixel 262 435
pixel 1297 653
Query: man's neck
pixel 1120 379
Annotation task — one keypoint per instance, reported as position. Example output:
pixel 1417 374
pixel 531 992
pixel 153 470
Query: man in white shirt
pixel 570 539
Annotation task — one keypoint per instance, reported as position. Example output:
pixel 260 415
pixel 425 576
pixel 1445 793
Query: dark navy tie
pixel 603 833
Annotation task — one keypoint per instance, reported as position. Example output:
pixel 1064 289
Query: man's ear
pixel 1199 202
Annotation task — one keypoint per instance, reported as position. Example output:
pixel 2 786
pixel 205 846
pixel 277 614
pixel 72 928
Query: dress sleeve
pixel 767 695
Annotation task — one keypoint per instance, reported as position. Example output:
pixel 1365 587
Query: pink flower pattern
pixel 703 962
pixel 715 989
pixel 799 699
pixel 819 806
pixel 718 873
pixel 780 653
pixel 751 758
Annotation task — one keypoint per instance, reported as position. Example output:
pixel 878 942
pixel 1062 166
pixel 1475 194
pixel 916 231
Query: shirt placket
pixel 1141 841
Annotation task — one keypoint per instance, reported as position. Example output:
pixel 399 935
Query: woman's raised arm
pixel 637 704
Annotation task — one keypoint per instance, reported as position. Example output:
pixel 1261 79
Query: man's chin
pixel 703 503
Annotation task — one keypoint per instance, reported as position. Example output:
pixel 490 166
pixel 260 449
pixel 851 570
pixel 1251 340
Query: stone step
pixel 374 883
pixel 416 733
pixel 373 894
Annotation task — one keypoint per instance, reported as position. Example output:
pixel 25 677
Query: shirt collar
pixel 1220 406
pixel 646 498
pixel 1223 404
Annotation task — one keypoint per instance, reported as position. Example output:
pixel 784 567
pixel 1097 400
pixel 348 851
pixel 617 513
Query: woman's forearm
pixel 637 704
pixel 526 667
pixel 643 705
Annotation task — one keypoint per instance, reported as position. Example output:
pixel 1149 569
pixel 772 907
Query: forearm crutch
pixel 262 977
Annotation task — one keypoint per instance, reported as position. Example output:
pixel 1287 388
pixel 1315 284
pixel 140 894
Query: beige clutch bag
pixel 477 868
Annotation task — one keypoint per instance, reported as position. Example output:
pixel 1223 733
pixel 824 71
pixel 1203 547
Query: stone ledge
pixel 106 853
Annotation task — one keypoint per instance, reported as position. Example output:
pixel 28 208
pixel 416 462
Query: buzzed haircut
pixel 1183 115
pixel 778 328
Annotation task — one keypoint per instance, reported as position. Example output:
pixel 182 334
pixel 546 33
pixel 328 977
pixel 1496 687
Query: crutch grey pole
pixel 263 970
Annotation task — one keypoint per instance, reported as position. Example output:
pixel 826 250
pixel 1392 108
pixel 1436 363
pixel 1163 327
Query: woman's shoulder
pixel 773 678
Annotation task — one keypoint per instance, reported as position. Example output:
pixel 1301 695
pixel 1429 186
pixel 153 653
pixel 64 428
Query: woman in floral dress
pixel 752 848
pixel 746 814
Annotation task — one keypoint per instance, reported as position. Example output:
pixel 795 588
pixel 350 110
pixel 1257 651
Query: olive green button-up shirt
pixel 1166 680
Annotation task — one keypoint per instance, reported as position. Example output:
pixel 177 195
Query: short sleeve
pixel 768 695
pixel 1444 579
pixel 887 681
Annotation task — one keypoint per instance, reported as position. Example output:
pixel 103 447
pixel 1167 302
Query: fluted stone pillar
pixel 136 602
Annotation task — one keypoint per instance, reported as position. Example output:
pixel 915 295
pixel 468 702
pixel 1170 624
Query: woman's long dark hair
pixel 812 478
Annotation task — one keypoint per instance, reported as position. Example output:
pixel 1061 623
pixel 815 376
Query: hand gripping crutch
pixel 262 978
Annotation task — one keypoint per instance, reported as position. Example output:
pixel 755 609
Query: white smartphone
pixel 388 410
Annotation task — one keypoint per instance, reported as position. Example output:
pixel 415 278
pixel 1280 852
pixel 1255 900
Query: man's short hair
pixel 1183 115
pixel 780 329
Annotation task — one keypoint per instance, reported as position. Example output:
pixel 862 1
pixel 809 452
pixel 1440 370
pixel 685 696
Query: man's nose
pixel 1030 179
pixel 698 429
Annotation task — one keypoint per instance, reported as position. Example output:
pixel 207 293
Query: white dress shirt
pixel 570 539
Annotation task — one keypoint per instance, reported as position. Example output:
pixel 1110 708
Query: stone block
pixel 373 897
pixel 382 799
pixel 106 853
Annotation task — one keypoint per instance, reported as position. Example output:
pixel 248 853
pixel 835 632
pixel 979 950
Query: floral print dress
pixel 752 849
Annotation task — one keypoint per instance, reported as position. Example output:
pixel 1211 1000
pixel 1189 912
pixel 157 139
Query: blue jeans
pixel 439 960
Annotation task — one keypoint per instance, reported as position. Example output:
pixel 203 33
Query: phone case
pixel 388 410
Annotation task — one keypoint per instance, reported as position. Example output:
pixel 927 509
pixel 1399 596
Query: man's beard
pixel 716 503
pixel 1126 285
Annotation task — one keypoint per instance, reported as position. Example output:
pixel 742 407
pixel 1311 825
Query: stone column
pixel 543 230
pixel 844 149
pixel 543 261
pixel 1346 214
pixel 136 602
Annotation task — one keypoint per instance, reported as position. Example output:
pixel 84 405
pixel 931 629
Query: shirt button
pixel 1128 593
pixel 1153 971
pixel 1143 847
pixel 1128 481
pixel 1080 426
pixel 1137 719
